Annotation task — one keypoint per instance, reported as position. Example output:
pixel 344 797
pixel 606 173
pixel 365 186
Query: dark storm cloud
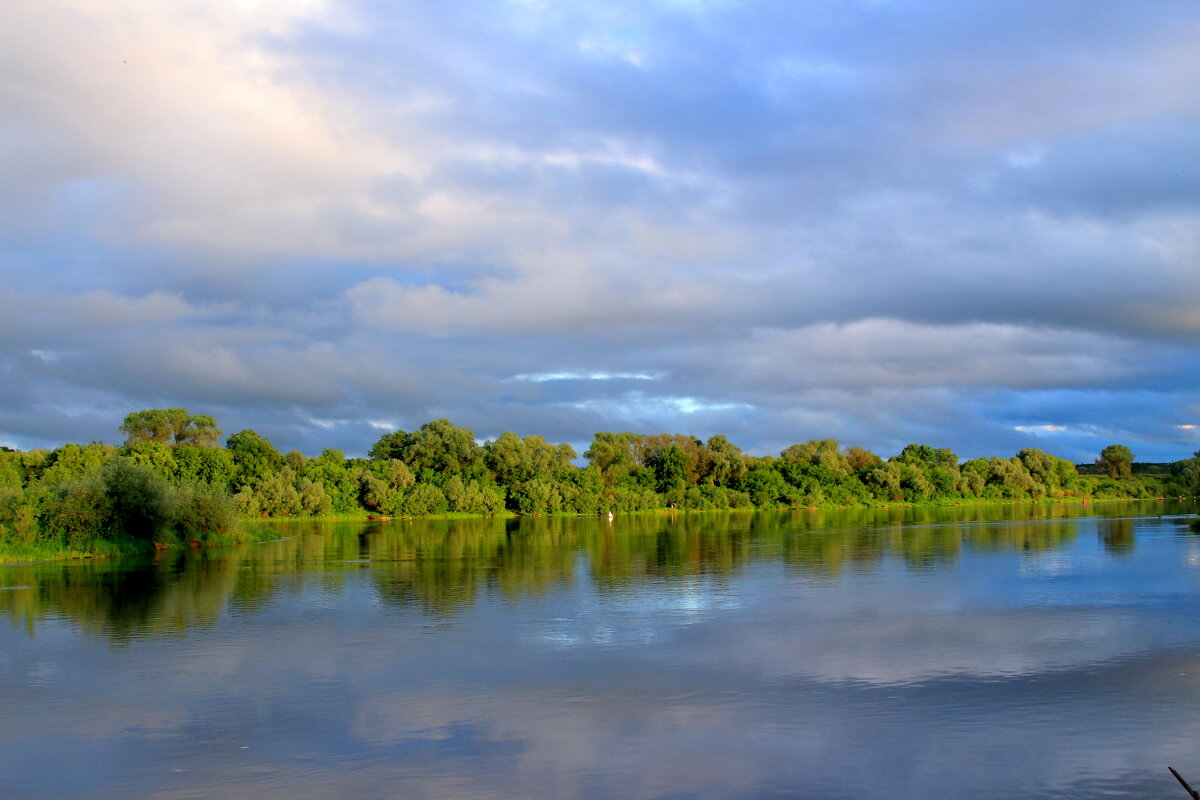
pixel 971 224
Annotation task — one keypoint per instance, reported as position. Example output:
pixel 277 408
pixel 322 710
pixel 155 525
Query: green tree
pixel 930 456
pixel 696 455
pixel 374 494
pixel 424 499
pixel 859 459
pixel 78 513
pixel 765 486
pixel 199 510
pixel 254 457
pixel 915 481
pixel 670 468
pixel 884 480
pixel 154 455
pixel 1047 471
pixel 390 446
pixel 137 499
pixel 1008 479
pixel 823 452
pixel 1187 475
pixel 1116 461
pixel 726 465
pixel 296 460
pixel 340 483
pixel 399 475
pixel 170 426
pixel 974 476
pixel 213 466
pixel 512 459
pixel 314 500
pixel 437 446
pixel 71 462
pixel 200 430
pixel 11 474
pixel 536 496
pixel 615 455
pixel 278 497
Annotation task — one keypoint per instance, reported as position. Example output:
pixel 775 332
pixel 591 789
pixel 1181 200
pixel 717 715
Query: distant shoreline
pixel 173 484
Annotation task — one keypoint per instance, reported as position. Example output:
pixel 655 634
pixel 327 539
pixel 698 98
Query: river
pixel 1026 651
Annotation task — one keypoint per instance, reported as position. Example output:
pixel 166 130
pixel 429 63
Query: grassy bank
pixel 244 530
pixel 62 549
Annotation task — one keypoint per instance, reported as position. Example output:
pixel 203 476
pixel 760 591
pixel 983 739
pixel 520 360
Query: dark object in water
pixel 1195 795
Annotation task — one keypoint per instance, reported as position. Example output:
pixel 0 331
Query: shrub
pixel 424 499
pixel 79 513
pixel 136 499
pixel 278 497
pixel 202 511
pixel 314 500
pixel 246 502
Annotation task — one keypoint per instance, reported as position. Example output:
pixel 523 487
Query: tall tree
pixel 823 452
pixel 615 455
pixel 512 459
pixel 390 446
pixel 697 457
pixel 170 426
pixel 437 446
pixel 726 466
pixel 670 468
pixel 858 458
pixel 1116 460
pixel 198 429
pixel 254 457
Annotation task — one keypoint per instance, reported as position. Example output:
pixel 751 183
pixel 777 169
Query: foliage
pixel 170 426
pixel 330 471
pixel 822 452
pixel 136 498
pixel 71 462
pixel 314 500
pixel 212 466
pixel 425 499
pixel 437 446
pixel 670 467
pixel 200 511
pixel 278 497
pixel 254 458
pixel 511 459
pixel 168 480
pixel 1116 461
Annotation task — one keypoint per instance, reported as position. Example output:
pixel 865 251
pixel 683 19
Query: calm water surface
pixel 1010 652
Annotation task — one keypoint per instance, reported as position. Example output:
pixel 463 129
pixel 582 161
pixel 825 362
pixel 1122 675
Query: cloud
pixel 185 112
pixel 59 317
pixel 595 376
pixel 881 222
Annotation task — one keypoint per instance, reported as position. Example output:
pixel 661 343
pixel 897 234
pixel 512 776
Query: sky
pixel 970 224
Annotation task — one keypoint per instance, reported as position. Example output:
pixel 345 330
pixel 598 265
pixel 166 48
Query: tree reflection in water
pixel 444 566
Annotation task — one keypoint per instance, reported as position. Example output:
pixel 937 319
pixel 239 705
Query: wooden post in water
pixel 1195 795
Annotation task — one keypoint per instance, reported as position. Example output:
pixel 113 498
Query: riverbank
pixel 42 552
pixel 50 551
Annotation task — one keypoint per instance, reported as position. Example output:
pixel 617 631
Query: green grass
pixel 60 551
pixel 11 553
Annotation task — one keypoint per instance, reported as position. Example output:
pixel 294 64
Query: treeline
pixel 172 478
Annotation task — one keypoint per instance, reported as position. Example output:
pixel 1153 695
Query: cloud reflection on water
pixel 753 679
